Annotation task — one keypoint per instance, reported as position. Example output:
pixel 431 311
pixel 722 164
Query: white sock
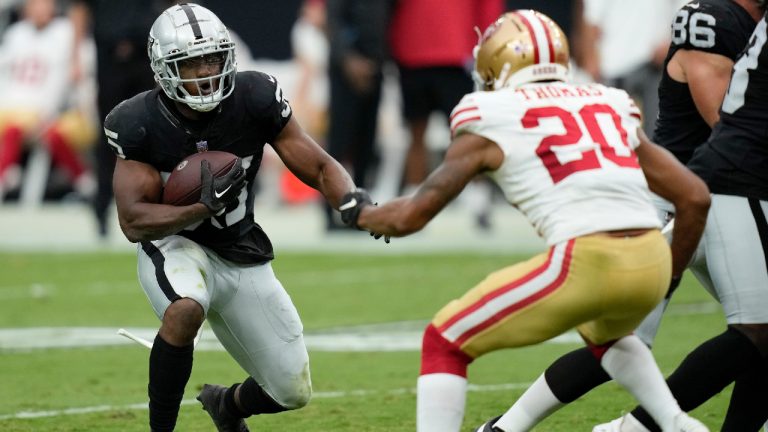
pixel 440 400
pixel 632 365
pixel 534 405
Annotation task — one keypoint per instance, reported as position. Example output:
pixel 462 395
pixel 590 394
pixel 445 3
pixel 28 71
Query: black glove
pixel 352 203
pixel 218 192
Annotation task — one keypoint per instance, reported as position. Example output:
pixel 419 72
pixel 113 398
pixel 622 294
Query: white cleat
pixel 685 423
pixel 625 423
pixel 612 426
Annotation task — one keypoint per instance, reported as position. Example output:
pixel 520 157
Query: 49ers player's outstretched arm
pixel 668 178
pixel 468 155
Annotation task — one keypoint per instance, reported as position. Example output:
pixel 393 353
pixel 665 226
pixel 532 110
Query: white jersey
pixel 569 161
pixel 36 66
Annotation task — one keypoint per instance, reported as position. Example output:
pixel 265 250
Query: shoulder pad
pixel 125 126
pixel 711 26
pixel 264 101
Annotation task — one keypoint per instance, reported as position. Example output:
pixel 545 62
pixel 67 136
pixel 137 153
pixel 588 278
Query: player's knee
pixel 294 391
pixel 274 397
pixel 181 321
pixel 756 333
pixel 296 399
pixel 438 355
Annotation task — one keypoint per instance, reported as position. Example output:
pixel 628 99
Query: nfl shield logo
pixel 202 146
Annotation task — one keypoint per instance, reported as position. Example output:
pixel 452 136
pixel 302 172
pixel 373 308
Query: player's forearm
pixel 333 182
pixel 147 221
pixel 690 220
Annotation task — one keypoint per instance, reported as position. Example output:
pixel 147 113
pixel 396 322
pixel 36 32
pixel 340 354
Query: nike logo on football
pixel 218 194
pixel 348 205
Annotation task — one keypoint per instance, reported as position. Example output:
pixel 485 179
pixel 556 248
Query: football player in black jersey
pixel 707 38
pixel 210 260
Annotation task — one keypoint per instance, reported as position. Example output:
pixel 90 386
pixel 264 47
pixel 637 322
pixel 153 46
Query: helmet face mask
pixel 520 47
pixel 192 56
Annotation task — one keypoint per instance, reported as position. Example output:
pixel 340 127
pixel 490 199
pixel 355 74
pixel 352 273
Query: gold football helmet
pixel 520 47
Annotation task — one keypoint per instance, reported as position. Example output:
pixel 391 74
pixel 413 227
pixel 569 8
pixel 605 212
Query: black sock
pixel 231 405
pixel 749 399
pixel 253 399
pixel 169 370
pixel 706 371
pixel 574 374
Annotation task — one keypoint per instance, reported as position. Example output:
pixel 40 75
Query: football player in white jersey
pixel 37 102
pixel 575 161
pixel 695 79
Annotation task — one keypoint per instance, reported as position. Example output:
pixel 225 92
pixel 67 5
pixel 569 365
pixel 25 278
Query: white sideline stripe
pixel 350 339
pixel 317 395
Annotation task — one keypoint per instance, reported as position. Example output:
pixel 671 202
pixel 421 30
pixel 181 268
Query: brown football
pixel 183 185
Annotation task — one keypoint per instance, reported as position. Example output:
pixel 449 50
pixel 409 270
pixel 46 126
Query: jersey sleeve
pixel 480 114
pixel 125 131
pixel 709 27
pixel 466 116
pixel 266 103
pixel 629 114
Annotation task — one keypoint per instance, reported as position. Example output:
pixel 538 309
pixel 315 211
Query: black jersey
pixel 713 26
pixel 734 161
pixel 148 128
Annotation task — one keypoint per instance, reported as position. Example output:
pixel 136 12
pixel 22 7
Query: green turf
pixel 355 391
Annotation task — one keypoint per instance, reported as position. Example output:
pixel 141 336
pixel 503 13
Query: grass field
pixel 354 391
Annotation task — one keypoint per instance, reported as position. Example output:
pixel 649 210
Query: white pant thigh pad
pixel 260 327
pixel 171 268
pixel 736 257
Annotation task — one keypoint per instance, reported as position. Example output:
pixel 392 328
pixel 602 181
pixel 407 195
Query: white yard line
pixel 370 338
pixel 316 395
pixel 401 336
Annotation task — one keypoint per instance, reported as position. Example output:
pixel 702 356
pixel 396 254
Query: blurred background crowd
pixel 373 81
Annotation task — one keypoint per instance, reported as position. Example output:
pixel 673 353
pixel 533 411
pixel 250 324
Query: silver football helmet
pixel 189 33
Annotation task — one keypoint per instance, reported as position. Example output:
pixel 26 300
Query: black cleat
pixel 212 398
pixel 488 426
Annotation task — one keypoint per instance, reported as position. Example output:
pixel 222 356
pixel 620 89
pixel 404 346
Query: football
pixel 183 185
